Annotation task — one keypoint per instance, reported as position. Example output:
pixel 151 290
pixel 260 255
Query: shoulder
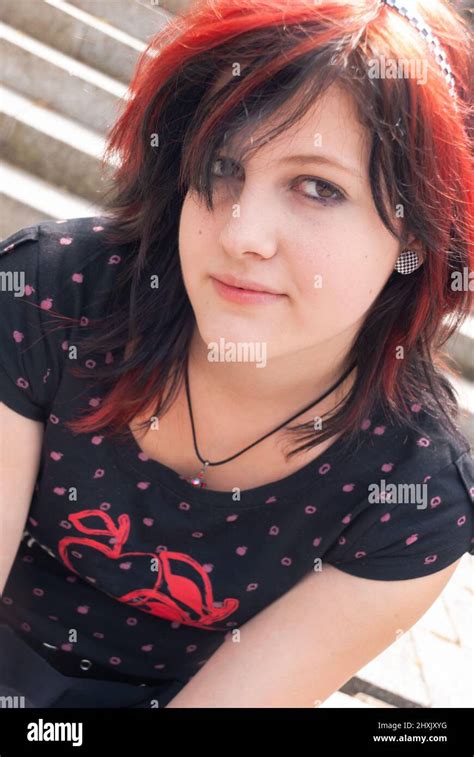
pixel 54 277
pixel 55 246
pixel 416 516
pixel 61 267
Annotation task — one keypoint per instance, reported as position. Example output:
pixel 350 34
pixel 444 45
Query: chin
pixel 215 325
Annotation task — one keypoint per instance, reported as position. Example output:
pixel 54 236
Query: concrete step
pixel 141 18
pixel 460 352
pixel 65 85
pixel 465 392
pixel 176 6
pixel 26 199
pixel 339 700
pixel 461 348
pixel 76 33
pixel 52 147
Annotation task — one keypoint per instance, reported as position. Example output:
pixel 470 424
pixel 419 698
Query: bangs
pixel 231 116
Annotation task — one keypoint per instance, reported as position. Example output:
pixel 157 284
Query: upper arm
pixel 20 451
pixel 308 643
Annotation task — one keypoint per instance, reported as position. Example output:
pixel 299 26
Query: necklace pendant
pixel 198 480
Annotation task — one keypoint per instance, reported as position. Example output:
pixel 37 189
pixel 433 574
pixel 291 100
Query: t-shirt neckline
pixel 129 454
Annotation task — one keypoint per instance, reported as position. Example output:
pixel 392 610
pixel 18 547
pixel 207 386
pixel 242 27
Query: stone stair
pixel 64 71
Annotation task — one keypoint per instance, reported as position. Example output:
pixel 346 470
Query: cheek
pixel 340 281
pixel 193 233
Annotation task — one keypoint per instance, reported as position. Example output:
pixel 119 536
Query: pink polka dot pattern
pixel 150 573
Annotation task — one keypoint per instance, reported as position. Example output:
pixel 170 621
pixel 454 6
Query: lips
pixel 244 297
pixel 246 284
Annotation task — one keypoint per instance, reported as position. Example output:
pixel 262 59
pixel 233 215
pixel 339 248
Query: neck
pixel 287 383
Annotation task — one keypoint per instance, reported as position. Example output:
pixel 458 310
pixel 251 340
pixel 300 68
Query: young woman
pixel 227 429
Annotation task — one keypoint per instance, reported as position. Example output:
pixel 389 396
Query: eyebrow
pixel 321 159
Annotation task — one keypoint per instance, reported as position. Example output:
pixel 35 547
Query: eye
pixel 325 192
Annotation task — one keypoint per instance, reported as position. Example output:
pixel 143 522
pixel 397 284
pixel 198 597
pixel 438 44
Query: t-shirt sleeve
pixel 26 361
pixel 55 279
pixel 406 540
pixel 39 303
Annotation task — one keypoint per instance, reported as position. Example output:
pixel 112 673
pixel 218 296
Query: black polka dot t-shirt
pixel 127 567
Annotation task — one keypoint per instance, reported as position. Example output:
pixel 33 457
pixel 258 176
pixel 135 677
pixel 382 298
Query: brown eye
pixel 325 192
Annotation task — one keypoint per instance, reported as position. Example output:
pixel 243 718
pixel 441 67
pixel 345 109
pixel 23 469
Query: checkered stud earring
pixel 407 262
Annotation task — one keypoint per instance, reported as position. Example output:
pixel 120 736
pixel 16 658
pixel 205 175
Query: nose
pixel 250 226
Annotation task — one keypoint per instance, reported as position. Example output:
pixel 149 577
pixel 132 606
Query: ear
pixel 417 246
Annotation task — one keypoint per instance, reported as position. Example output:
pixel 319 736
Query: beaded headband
pixel 407 8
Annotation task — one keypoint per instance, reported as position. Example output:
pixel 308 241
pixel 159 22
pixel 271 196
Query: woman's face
pixel 306 229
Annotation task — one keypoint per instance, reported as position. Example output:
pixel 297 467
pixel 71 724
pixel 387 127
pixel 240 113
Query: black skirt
pixel 28 680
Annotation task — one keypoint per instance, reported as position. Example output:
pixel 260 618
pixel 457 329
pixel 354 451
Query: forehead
pixel 331 125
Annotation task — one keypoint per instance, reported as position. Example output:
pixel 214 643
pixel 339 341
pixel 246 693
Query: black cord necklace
pixel 198 479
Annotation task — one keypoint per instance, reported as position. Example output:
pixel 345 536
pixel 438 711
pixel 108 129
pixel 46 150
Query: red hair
pixel 421 157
